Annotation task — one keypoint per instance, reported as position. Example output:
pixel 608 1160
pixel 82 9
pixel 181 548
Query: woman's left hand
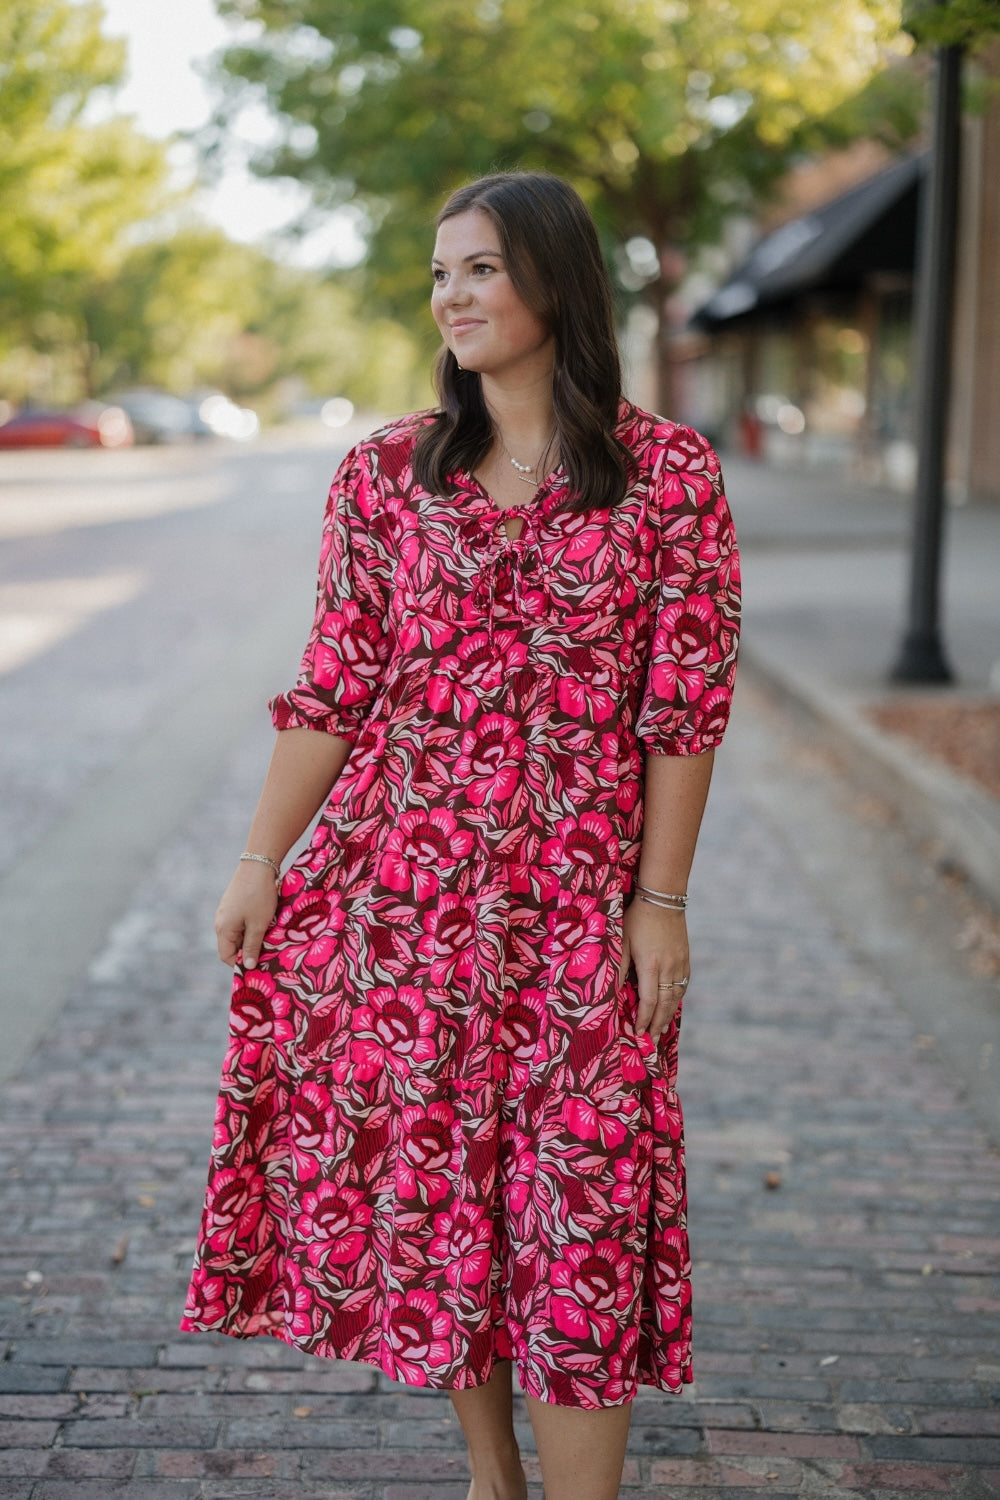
pixel 656 942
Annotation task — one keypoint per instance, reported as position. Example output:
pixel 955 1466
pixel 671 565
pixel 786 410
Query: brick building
pixel 805 352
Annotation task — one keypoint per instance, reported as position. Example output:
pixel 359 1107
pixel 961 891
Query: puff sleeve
pixel 685 703
pixel 349 643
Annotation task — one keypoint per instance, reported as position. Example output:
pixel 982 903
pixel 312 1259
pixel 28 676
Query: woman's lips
pixel 466 325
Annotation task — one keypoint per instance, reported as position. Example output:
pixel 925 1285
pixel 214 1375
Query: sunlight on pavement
pixel 26 512
pixel 48 491
pixel 34 616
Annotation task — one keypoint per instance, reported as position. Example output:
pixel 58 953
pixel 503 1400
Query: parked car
pixel 90 426
pixel 158 417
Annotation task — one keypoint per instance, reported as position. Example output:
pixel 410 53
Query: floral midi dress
pixel 440 1140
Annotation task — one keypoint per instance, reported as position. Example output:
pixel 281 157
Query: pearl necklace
pixel 527 473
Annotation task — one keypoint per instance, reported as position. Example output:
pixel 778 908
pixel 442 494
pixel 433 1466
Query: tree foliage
pixel 70 192
pixel 951 23
pixel 667 114
pixel 196 309
pixel 100 286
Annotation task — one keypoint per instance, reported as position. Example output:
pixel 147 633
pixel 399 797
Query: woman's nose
pixel 457 292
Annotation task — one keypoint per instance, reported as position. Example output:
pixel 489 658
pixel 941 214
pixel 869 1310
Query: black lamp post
pixel 921 657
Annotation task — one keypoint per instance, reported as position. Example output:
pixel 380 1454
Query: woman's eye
pixel 483 266
pixel 438 276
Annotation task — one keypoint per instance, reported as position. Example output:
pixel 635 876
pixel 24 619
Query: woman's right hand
pixel 245 913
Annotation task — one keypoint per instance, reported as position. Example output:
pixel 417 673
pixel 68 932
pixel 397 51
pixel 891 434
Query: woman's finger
pixel 648 996
pixel 665 1011
pixel 626 961
pixel 252 940
pixel 228 938
pixel 659 999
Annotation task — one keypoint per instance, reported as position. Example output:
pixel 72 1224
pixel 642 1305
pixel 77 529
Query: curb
pixel 932 801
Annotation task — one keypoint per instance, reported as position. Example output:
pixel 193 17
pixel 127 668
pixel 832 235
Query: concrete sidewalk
pixel 831 571
pixel 843 1209
pixel 826 580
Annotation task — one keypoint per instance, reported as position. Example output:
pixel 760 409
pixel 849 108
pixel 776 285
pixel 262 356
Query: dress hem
pixel 647 1377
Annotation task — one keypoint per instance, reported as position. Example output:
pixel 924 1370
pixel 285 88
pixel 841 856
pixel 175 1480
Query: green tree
pixel 70 191
pixel 98 287
pixel 196 309
pixel 951 23
pixel 667 114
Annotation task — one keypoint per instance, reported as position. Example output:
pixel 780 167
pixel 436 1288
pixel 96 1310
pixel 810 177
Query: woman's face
pixel 482 318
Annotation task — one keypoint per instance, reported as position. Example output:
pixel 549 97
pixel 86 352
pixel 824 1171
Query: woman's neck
pixel 523 415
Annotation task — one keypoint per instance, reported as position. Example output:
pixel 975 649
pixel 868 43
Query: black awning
pixel 872 228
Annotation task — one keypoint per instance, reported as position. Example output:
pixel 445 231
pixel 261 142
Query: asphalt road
pixel 150 603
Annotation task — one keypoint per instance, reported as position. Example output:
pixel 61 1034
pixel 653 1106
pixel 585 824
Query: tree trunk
pixel 666 383
pixel 673 266
pixel 668 386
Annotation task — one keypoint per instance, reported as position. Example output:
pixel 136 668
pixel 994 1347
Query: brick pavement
pixel 847 1328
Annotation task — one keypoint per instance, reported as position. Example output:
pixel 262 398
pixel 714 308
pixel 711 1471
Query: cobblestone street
pixel 843 1206
pixel 844 1189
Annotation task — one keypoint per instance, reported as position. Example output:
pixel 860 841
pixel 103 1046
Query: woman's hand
pixel 245 913
pixel 303 768
pixel 656 942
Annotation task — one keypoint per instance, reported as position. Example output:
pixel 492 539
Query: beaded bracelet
pixel 261 859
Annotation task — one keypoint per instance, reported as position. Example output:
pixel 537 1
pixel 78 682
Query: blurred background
pixel 214 232
pixel 215 228
pixel 234 201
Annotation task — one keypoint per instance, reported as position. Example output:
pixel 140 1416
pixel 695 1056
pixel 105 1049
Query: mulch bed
pixel 966 736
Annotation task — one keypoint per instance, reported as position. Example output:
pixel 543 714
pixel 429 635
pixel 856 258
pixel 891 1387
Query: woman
pixel 448 1138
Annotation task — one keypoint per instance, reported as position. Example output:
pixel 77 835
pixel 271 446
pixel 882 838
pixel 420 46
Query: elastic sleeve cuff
pixel 294 711
pixel 695 744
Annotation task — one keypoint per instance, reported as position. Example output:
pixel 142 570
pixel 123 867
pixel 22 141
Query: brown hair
pixel 553 257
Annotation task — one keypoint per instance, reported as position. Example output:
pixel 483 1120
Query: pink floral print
pixel 440 1140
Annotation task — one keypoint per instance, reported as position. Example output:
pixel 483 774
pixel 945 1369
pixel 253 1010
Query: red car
pixel 91 426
